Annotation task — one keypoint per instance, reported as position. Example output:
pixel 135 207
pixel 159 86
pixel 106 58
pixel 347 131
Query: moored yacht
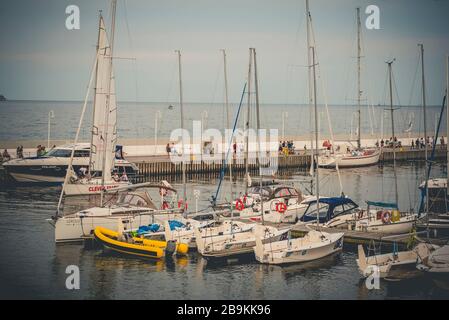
pixel 52 167
pixel 134 206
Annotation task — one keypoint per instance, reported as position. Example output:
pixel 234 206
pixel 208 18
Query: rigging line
pixel 326 105
pixel 414 83
pixel 134 61
pixel 169 92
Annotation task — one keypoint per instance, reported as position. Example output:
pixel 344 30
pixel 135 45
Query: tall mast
pixel 256 87
pixel 108 98
pixel 181 106
pixel 392 131
pixel 247 124
pixel 359 92
pixel 309 72
pixel 317 173
pixel 421 47
pixel 227 113
pixel 95 97
pixel 447 120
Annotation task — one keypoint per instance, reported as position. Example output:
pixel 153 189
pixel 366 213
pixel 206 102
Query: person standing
pixel 168 149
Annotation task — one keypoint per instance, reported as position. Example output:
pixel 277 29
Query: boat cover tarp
pixel 382 204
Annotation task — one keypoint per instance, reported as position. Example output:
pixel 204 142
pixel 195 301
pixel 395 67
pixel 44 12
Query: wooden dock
pixel 157 168
pixel 367 238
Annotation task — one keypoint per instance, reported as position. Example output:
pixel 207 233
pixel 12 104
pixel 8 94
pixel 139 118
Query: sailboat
pixel 381 217
pixel 133 203
pixel 394 265
pixel 437 264
pixel 434 190
pixel 360 156
pixel 104 127
pixel 315 244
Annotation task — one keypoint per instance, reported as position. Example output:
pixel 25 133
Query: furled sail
pixel 104 127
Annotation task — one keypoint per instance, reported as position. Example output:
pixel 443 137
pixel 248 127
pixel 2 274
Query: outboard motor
pixel 170 249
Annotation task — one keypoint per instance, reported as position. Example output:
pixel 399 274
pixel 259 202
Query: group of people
pixel 420 143
pixel 40 151
pixel 389 143
pixel 286 147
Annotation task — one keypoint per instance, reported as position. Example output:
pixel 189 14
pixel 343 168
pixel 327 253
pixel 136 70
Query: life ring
pixel 239 205
pixel 281 207
pixel 181 204
pixel 386 217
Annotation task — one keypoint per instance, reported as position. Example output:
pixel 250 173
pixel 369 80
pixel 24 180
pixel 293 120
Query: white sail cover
pixel 104 127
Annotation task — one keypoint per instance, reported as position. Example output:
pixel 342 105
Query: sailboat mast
pixel 108 99
pixel 317 173
pixel 421 47
pixel 309 74
pixel 247 124
pixel 392 131
pixel 256 87
pixel 447 121
pixel 359 92
pixel 95 98
pixel 227 114
pixel 181 106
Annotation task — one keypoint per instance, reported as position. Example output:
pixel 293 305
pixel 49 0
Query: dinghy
pixel 394 265
pixel 136 246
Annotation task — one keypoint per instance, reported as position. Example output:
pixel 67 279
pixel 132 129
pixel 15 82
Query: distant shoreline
pixel 216 103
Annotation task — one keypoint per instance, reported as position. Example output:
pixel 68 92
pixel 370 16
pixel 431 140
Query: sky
pixel 41 60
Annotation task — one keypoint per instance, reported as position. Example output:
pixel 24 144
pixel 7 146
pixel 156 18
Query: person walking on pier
pixel 413 144
pixel 168 149
pixel 442 142
pixel 19 152
pixel 6 156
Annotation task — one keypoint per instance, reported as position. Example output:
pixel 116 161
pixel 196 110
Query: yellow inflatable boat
pixel 138 246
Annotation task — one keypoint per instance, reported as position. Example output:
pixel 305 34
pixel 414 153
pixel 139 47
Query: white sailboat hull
pixel 74 228
pixel 347 160
pixel 300 249
pixel 91 187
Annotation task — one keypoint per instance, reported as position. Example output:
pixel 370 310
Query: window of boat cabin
pixel 343 208
pixel 286 192
pixel 131 199
pixel 81 153
pixel 62 153
pixel 312 210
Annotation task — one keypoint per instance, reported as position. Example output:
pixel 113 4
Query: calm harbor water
pixel 32 266
pixel 28 120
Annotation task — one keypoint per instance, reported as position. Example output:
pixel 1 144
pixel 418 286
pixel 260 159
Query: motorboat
pixel 52 167
pixel 314 245
pixel 134 206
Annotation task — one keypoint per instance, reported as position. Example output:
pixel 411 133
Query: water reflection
pixel 38 266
